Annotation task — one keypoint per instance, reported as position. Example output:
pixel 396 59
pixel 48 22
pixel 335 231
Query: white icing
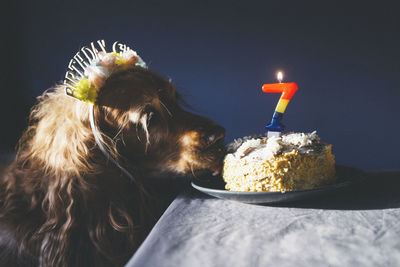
pixel 301 139
pixel 259 149
pixel 247 147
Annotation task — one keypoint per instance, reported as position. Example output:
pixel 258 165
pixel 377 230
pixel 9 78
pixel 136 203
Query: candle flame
pixel 280 76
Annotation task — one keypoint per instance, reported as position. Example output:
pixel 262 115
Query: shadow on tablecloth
pixel 379 190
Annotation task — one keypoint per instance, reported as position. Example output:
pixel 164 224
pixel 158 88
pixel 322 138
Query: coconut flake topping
pixel 259 148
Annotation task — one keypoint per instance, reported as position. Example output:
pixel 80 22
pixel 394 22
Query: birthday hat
pixel 92 65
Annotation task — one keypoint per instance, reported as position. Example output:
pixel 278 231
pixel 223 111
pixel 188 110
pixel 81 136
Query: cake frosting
pixel 293 161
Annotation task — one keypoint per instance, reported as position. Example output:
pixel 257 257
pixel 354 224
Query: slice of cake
pixel 293 161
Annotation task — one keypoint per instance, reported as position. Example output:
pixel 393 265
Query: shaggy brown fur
pixel 63 204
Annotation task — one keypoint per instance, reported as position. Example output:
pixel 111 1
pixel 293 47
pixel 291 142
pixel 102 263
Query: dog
pixel 64 203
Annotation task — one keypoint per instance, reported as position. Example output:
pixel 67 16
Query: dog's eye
pixel 150 110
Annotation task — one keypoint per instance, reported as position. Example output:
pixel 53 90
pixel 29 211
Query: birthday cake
pixel 293 161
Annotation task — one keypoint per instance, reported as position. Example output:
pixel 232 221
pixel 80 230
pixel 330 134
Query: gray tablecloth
pixel 357 227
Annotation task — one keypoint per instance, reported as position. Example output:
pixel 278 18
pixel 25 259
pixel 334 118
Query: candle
pixel 287 91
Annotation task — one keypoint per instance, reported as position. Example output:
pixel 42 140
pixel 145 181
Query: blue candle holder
pixel 276 124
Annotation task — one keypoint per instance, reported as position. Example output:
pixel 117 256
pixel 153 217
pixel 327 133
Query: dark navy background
pixel 344 57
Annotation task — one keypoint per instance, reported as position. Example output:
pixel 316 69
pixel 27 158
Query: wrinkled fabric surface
pixel 356 227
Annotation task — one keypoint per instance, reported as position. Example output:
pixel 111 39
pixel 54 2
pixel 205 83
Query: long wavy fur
pixel 56 190
pixel 62 203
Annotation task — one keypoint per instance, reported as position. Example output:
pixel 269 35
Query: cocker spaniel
pixel 64 203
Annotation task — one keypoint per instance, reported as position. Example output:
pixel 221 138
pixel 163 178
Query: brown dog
pixel 63 203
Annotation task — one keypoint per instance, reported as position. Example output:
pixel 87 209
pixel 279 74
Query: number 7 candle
pixel 287 91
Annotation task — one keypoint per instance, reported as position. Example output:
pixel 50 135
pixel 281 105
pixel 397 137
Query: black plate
pixel 216 187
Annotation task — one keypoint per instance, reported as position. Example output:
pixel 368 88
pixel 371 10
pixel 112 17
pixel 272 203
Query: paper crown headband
pixel 91 66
